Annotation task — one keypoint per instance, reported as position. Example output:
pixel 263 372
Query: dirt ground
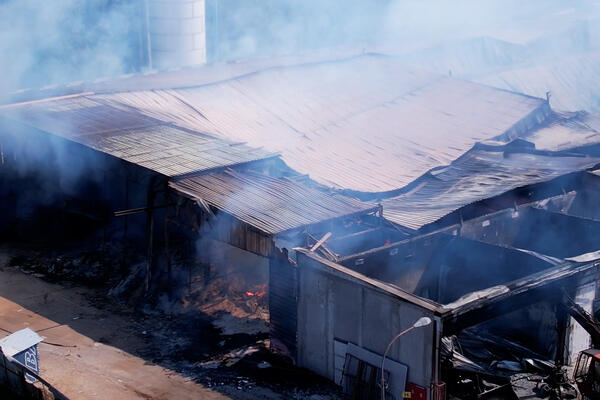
pixel 98 348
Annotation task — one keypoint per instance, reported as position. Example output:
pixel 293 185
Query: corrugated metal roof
pixel 77 116
pixel 480 174
pixel 573 80
pixel 271 205
pixel 546 53
pixel 364 124
pixel 567 131
pixel 134 137
pixel 178 77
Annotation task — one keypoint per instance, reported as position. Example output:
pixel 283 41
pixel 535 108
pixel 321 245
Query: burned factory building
pixel 337 203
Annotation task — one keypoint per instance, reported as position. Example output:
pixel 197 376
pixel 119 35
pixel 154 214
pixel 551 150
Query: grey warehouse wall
pixel 334 306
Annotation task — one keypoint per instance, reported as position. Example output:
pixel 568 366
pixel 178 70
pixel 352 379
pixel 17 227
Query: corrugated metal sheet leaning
pixel 272 205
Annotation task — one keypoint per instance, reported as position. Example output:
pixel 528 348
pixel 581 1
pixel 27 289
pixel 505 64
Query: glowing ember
pixel 255 294
pixel 258 292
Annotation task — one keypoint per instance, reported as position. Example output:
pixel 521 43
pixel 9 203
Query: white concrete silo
pixel 176 32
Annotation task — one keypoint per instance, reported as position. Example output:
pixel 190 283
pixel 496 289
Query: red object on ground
pixel 416 392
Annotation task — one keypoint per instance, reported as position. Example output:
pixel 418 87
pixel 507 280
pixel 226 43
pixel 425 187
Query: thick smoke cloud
pixel 245 28
pixel 59 41
pixel 249 28
pixel 438 22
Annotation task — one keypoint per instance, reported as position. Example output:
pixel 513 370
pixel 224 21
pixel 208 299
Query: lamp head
pixel 423 321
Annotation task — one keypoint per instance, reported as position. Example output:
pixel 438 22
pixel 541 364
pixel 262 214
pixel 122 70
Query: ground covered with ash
pixel 208 332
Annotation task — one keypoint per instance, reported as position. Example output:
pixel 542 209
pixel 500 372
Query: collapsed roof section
pixel 485 267
pixel 487 272
pixel 567 131
pixel 482 173
pixel 272 205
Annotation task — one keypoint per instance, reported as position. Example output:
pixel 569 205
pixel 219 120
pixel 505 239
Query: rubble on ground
pixel 481 366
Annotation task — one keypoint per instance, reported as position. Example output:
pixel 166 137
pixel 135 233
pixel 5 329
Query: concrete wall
pixel 335 306
pixel 177 32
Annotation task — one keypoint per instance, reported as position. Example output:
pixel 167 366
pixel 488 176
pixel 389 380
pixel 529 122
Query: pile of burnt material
pixel 480 365
pixel 95 266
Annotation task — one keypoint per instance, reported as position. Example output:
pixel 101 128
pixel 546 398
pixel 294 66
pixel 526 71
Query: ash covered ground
pixel 211 334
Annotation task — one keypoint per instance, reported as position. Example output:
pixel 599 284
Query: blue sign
pixel 23 347
pixel 30 359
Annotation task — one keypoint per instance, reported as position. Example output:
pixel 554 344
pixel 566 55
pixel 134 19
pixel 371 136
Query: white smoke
pixel 58 41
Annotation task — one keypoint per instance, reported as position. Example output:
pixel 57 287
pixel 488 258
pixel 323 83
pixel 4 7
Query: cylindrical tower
pixel 176 32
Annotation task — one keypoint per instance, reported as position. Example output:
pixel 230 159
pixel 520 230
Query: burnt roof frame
pixel 480 309
pixel 521 292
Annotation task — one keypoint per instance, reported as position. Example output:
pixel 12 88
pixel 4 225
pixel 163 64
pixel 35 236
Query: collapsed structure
pixel 365 195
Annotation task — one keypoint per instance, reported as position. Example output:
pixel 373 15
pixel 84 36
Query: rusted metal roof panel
pixel 365 124
pixel 271 205
pixel 480 174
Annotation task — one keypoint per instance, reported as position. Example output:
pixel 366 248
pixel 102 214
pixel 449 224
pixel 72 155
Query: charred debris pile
pixel 317 237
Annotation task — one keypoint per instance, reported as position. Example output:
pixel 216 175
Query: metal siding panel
pixel 283 302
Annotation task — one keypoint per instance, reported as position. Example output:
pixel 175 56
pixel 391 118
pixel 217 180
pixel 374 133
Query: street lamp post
pixel 423 321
